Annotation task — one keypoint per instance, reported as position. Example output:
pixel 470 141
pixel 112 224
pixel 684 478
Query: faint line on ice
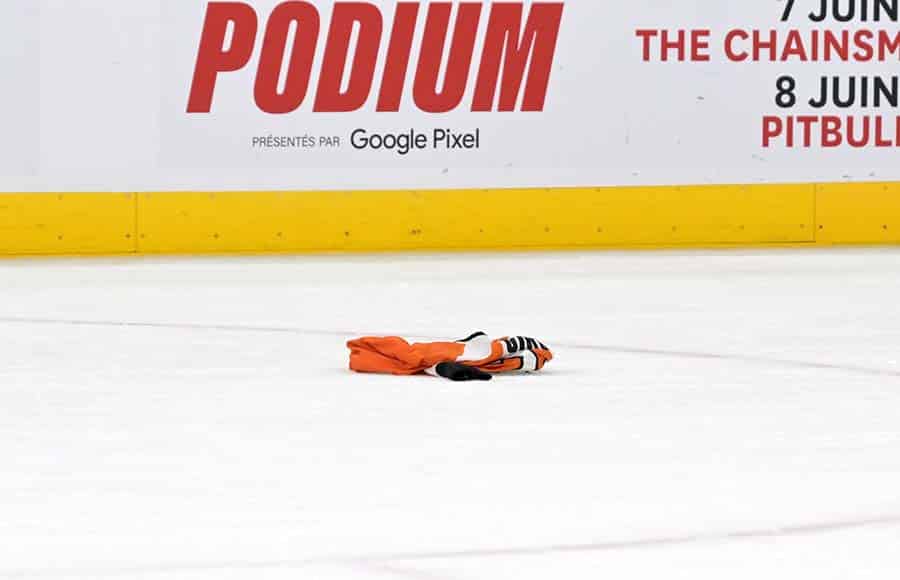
pixel 748 359
pixel 171 326
pixel 660 542
pixel 759 360
pixel 797 530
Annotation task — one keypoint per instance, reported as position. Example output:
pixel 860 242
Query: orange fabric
pixel 393 355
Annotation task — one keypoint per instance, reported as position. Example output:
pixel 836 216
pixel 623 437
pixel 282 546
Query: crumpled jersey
pixel 396 356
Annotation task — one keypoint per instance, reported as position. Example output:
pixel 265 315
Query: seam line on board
pixel 137 223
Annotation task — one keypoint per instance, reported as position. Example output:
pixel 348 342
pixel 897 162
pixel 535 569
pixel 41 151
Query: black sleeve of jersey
pixel 460 372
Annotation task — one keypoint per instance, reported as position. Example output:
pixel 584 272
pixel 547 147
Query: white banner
pixel 269 93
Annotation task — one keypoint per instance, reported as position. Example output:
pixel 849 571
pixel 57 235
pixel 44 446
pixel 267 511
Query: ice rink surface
pixel 708 415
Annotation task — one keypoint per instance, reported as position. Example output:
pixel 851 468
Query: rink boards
pixel 488 219
pixel 596 131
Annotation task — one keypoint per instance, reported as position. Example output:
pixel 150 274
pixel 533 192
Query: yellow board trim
pixel 858 213
pixel 67 223
pixel 486 219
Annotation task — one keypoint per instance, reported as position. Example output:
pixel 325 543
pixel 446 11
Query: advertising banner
pixel 386 94
pixel 720 90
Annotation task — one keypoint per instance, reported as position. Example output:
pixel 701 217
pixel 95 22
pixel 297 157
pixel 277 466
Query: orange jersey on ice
pixel 394 355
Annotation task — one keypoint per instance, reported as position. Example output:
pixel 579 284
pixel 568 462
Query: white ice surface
pixel 708 416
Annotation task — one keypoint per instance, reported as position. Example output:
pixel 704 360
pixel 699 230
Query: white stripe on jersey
pixel 479 348
pixel 529 362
